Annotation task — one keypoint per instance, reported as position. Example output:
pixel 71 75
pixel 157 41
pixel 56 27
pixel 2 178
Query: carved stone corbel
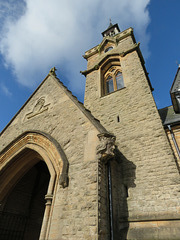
pixel 105 150
pixel 64 180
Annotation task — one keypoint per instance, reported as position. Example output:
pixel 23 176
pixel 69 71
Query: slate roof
pixel 176 84
pixel 168 116
pixel 111 26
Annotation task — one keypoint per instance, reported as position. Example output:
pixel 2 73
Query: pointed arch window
pixel 113 80
pixel 119 80
pixel 109 84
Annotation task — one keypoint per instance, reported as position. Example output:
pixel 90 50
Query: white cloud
pixel 10 10
pixel 56 33
pixel 5 90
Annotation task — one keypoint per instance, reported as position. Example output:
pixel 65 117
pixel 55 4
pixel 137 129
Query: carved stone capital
pixel 105 150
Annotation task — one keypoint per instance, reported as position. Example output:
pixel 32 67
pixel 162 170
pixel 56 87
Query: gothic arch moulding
pixel 44 148
pixel 21 155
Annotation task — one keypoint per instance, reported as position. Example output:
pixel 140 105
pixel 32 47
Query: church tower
pixel 115 74
pixel 119 93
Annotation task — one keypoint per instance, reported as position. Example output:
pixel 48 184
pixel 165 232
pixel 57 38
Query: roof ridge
pixel 165 107
pixel 81 106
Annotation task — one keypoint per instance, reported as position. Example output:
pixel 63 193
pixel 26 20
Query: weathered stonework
pixel 105 150
pixel 39 108
pixel 73 213
pixel 176 133
pixel 57 146
pixel 150 172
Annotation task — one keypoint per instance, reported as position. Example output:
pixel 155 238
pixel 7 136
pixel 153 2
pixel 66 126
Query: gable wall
pixel 123 45
pixel 75 207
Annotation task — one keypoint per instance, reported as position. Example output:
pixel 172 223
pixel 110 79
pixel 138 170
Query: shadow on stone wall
pixel 123 174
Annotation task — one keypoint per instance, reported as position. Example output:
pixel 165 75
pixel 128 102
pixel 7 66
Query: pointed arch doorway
pixel 30 169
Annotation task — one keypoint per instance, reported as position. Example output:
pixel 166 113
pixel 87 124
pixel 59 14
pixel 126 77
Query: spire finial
pixel 110 23
pixel 53 71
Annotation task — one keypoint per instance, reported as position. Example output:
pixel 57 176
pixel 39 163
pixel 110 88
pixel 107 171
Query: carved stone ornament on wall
pixel 105 150
pixel 39 108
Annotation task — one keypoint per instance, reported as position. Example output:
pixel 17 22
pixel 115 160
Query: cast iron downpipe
pixel 106 153
pixel 174 140
pixel 110 200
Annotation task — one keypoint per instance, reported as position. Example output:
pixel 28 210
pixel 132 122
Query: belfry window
pixel 108 49
pixel 113 80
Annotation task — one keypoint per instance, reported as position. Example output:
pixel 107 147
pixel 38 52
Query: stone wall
pixel 50 110
pixel 176 132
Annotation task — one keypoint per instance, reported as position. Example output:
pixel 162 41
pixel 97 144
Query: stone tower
pixel 145 182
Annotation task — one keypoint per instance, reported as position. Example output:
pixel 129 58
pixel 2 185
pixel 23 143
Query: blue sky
pixel 164 46
pixel 33 41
